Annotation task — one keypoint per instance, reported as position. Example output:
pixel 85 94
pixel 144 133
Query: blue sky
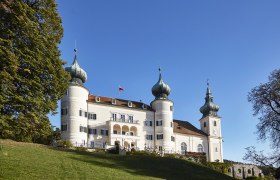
pixel 235 44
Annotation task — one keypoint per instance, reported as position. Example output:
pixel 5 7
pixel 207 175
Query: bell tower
pixel 210 123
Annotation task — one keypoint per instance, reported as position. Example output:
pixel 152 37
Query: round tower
pixel 163 108
pixel 74 106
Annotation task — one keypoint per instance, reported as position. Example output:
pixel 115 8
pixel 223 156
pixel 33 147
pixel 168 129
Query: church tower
pixel 74 106
pixel 210 123
pixel 163 120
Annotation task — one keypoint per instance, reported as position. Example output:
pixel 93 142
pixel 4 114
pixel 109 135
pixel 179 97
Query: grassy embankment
pixel 34 161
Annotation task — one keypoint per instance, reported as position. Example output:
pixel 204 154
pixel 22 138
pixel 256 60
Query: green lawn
pixel 34 161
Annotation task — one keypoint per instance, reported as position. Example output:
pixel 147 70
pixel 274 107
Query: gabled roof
pixel 184 127
pixel 119 102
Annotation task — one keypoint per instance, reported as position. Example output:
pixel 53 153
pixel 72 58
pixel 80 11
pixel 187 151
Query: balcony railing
pixel 125 121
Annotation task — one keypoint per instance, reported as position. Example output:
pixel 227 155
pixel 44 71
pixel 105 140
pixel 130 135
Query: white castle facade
pixel 99 122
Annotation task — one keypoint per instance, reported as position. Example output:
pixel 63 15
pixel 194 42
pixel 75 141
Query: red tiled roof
pixel 184 127
pixel 119 102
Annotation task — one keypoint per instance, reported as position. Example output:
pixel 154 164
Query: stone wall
pixel 242 171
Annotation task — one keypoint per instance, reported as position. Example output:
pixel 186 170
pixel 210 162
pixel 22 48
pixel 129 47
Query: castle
pixel 98 121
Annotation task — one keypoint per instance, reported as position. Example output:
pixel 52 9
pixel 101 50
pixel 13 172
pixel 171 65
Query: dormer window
pixel 97 99
pixel 114 101
pixel 129 104
pixel 144 106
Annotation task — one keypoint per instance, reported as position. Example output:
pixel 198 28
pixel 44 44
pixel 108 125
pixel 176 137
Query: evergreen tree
pixel 31 72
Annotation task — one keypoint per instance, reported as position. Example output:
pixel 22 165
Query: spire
pixel 78 75
pixel 161 90
pixel 209 107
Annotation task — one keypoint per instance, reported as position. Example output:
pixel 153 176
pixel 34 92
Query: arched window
pixel 199 148
pixel 204 124
pixel 249 171
pixel 183 148
pixel 229 170
pixel 239 171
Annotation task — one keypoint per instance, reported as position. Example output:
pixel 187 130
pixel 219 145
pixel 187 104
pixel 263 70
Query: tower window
pixel 171 124
pixel 149 137
pixel 215 123
pixel 64 111
pixel 129 104
pixel 63 127
pixel 171 108
pixel 148 123
pixel 204 124
pixel 159 123
pixel 173 138
pixel 144 106
pixel 159 136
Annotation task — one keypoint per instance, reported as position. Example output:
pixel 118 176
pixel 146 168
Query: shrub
pixel 64 144
pixel 82 149
pixel 220 167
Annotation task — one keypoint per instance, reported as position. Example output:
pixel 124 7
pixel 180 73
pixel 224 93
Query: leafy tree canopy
pixel 31 71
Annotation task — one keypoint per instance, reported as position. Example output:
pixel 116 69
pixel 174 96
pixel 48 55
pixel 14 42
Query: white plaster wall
pixel 191 141
pixel 164 113
pixel 74 101
pixel 104 120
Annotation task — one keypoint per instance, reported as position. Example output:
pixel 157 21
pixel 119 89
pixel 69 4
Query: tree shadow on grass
pixel 157 167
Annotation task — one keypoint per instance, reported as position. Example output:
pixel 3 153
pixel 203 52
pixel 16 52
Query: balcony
pixel 125 121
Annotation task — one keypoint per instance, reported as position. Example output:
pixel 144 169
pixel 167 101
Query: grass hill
pixel 34 161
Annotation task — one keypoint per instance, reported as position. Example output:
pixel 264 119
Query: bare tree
pixel 266 105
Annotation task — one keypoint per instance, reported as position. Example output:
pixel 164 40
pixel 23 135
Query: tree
pixel 266 104
pixel 31 71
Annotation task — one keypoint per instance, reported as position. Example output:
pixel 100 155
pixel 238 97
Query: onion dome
pixel 78 75
pixel 209 108
pixel 161 90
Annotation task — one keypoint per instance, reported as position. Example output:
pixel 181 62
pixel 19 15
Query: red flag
pixel 120 88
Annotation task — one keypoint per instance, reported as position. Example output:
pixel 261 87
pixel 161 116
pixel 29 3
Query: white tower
pixel 163 121
pixel 210 123
pixel 74 107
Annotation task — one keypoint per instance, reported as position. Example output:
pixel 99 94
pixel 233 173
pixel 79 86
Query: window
pixel 92 131
pixel 123 117
pixel 66 93
pixel 239 171
pixel 148 123
pixel 159 122
pixel 249 171
pixel 130 119
pixel 183 148
pixel 173 138
pixel 131 133
pixel 81 112
pixel 63 111
pixel 114 101
pixel 199 148
pixel 97 99
pixel 129 104
pixel 160 148
pixel 83 129
pixel 123 132
pixel 144 106
pixel 91 116
pixel 104 132
pixel 149 137
pixel 215 123
pixel 171 124
pixel 63 127
pixel 171 108
pixel 204 124
pixel 159 136
pixel 86 114
pixel 229 170
pixel 114 117
pixel 115 132
pixel 92 144
pixel 216 149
